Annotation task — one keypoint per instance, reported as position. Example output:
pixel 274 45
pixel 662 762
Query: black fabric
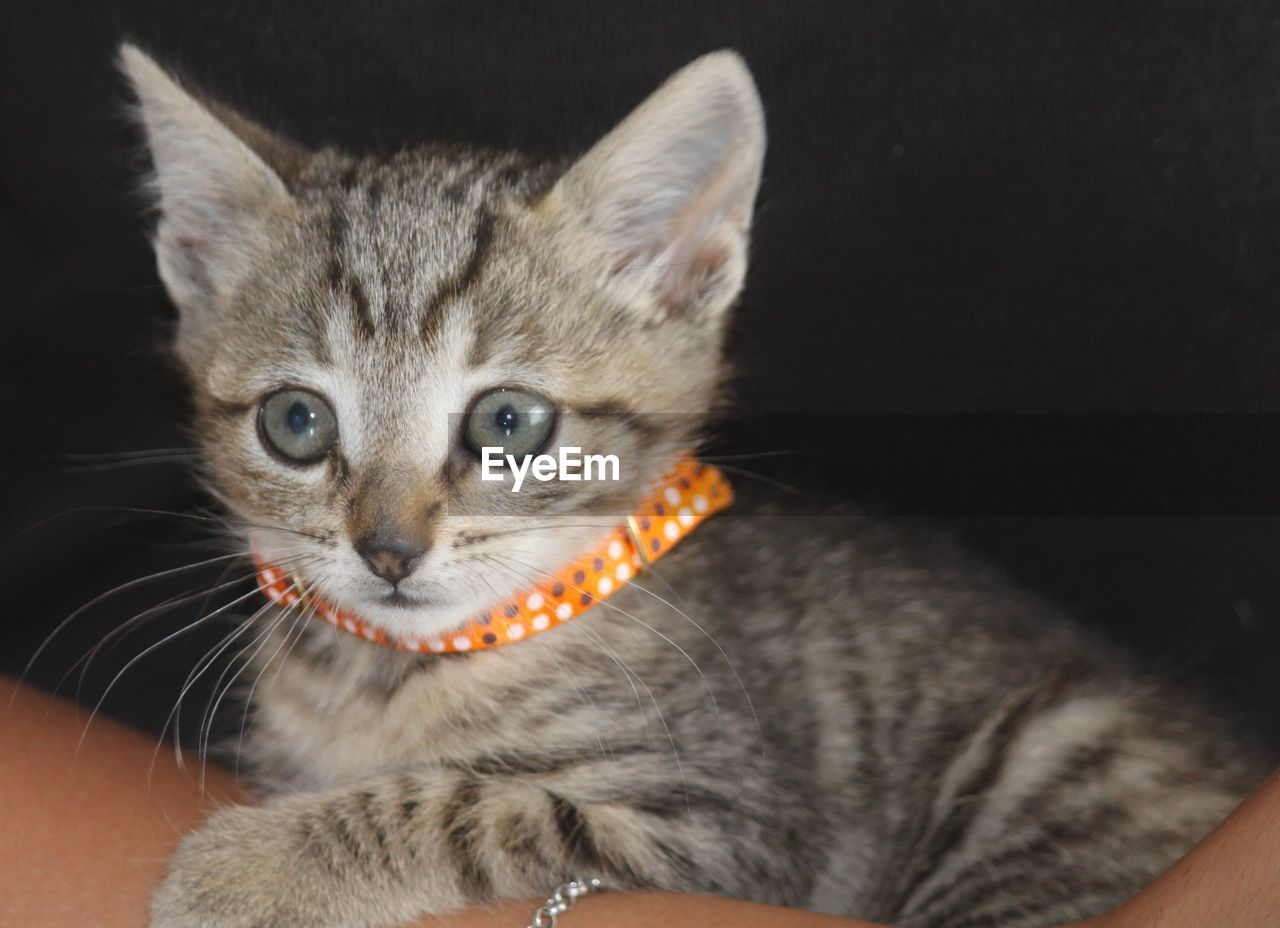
pixel 970 211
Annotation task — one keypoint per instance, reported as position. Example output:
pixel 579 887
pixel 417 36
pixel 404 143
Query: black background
pixel 1015 270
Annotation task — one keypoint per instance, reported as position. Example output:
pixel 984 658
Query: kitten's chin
pixel 407 616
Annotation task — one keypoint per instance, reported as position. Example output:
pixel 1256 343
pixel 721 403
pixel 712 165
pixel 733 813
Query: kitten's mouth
pixel 398 600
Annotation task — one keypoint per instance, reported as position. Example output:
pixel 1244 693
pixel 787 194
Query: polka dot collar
pixel 687 494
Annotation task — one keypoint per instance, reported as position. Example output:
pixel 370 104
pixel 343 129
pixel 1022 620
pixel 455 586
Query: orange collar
pixel 683 497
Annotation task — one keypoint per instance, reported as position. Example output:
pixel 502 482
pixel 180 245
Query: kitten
pixel 922 744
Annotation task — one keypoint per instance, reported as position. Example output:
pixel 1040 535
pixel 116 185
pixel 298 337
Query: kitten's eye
pixel 519 423
pixel 297 425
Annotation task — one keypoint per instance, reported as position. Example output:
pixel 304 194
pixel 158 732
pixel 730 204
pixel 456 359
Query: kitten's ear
pixel 665 199
pixel 214 186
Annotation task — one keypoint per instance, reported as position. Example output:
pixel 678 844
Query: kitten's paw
pixel 241 870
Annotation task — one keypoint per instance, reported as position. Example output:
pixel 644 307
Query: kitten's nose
pixel 390 557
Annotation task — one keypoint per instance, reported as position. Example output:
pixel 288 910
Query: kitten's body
pixel 933 747
pixel 922 744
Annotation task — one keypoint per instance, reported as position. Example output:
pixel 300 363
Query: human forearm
pixel 1232 877
pixel 87 830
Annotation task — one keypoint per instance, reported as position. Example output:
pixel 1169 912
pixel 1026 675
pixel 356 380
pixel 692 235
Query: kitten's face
pixel 394 296
pixel 361 304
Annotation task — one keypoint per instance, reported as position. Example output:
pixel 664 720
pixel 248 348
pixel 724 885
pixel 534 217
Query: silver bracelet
pixel 562 900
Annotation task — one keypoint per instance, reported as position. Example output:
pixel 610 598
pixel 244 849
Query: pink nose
pixel 391 558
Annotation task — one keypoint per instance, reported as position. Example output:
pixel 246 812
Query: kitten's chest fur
pixel 722 648
pixel 342 709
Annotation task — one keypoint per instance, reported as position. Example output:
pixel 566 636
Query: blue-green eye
pixel 297 425
pixel 518 422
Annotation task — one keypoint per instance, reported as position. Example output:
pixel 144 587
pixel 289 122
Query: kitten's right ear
pixel 665 199
pixel 215 190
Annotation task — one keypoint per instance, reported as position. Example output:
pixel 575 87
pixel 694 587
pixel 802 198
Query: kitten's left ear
pixel 663 203
pixel 216 189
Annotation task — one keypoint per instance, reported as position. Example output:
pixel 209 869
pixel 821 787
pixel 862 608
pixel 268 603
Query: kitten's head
pixel 354 327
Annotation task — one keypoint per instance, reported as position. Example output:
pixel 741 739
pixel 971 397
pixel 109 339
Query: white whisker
pixel 129 626
pixel 715 705
pixel 675 751
pixel 261 641
pixel 134 660
pixel 303 616
pixel 586 699
pixel 728 663
pixel 194 674
pixel 207 661
pixel 107 595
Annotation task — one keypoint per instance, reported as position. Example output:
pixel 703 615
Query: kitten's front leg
pixel 320 860
pixel 423 842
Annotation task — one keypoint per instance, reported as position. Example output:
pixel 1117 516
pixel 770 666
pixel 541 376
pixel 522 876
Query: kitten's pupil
pixel 507 419
pixel 517 420
pixel 299 417
pixel 297 425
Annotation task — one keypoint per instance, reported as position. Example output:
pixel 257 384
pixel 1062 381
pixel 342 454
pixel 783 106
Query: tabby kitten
pixel 922 744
